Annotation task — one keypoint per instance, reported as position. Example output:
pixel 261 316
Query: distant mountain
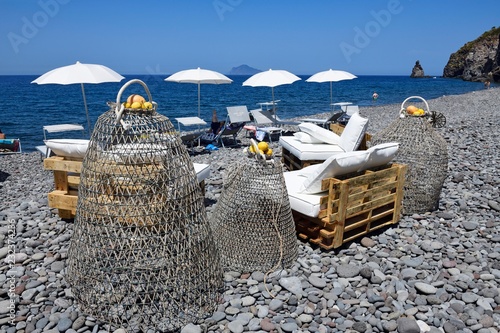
pixel 244 70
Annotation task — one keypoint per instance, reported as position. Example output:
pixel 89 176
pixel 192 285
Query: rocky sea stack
pixel 478 60
pixel 417 71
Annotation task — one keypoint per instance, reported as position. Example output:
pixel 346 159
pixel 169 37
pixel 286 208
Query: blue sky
pixel 365 37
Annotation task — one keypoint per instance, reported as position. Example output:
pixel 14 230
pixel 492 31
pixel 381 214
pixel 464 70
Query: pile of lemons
pixel 263 149
pixel 137 102
pixel 414 111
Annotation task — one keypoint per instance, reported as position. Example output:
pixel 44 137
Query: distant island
pixel 244 70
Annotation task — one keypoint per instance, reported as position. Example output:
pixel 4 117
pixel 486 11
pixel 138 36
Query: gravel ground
pixel 432 272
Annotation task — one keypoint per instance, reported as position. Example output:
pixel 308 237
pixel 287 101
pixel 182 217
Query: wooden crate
pixel 292 162
pixel 355 207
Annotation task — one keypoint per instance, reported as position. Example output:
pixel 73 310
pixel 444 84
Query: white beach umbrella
pixel 199 76
pixel 271 78
pixel 331 75
pixel 80 73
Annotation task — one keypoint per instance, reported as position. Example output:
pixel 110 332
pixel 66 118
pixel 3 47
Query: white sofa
pixel 314 143
pixel 304 186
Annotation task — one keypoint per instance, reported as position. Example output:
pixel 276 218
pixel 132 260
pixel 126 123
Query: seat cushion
pixel 353 132
pixel 381 154
pixel 202 171
pixel 320 133
pixel 306 138
pixel 307 204
pixel 75 148
pixel 309 151
pixel 336 165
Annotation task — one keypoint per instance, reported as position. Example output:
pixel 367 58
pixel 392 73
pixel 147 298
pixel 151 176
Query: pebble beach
pixel 432 272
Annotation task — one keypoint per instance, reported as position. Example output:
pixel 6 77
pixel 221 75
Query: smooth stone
pixel 292 284
pixel 64 324
pixel 407 325
pixel 317 281
pixel 289 327
pixel 425 288
pixel 235 326
pixel 275 304
pixel 247 300
pixel 191 328
pixel 347 270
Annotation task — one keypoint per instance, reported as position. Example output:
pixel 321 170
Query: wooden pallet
pixel 354 207
pixel 66 180
pixel 292 162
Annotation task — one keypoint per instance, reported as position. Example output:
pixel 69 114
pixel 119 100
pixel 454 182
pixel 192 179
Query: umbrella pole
pixel 199 139
pixel 86 109
pixel 331 97
pixel 274 106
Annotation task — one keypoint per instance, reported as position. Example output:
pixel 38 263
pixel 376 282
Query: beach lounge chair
pixel 349 110
pixel 237 117
pixel 275 120
pixel 45 150
pixel 315 144
pixel 326 121
pixel 264 125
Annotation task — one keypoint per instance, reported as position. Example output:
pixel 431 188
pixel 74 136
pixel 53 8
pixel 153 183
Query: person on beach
pixel 216 125
pixel 487 84
pixel 375 96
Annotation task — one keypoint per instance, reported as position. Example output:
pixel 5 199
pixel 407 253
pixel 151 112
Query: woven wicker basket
pixel 424 151
pixel 252 222
pixel 142 255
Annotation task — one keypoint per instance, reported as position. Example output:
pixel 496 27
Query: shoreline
pixel 437 270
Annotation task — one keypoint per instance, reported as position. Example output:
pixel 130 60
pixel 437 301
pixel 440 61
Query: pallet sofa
pixel 348 195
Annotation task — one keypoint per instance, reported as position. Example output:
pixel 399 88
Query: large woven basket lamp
pixel 252 222
pixel 425 152
pixel 142 255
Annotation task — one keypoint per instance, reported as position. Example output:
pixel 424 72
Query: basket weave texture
pixel 425 152
pixel 142 254
pixel 252 222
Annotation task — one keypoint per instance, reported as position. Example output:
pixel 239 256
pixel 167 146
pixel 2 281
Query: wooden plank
pixel 60 164
pixel 61 200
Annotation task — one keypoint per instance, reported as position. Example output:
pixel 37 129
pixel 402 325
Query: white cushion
pixel 381 154
pixel 320 133
pixel 132 153
pixel 75 148
pixel 353 132
pixel 202 171
pixel 336 165
pixel 306 138
pixel 309 151
pixel 307 204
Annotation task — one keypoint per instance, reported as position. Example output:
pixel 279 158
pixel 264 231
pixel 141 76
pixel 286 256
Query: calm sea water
pixel 26 107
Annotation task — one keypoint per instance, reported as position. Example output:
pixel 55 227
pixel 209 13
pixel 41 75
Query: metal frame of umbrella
pixel 80 73
pixel 271 78
pixel 331 76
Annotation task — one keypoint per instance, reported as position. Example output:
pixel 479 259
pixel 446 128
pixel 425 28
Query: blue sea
pixel 26 107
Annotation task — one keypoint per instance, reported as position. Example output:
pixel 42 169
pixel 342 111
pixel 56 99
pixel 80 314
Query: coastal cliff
pixel 478 60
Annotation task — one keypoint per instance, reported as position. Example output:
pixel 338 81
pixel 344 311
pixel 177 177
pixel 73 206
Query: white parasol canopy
pixel 80 73
pixel 199 76
pixel 331 75
pixel 271 78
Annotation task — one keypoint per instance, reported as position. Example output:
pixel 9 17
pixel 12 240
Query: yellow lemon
pixel 251 149
pixel 127 105
pixel 261 152
pixel 148 105
pixel 263 146
pixel 136 105
pixel 269 152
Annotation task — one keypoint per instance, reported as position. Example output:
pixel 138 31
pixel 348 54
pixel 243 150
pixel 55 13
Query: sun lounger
pixel 326 121
pixel 315 144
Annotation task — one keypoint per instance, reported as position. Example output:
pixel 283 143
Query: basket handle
pixel 403 109
pixel 119 108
